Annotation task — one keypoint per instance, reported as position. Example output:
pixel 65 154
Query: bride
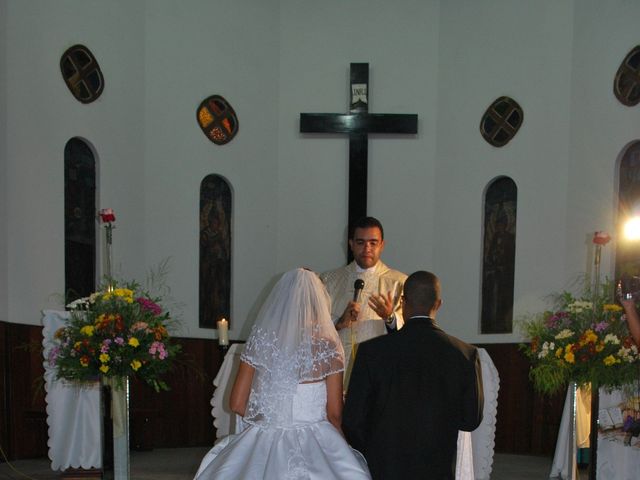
pixel 289 390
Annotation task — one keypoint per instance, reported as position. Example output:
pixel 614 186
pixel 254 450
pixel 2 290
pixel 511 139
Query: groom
pixel 411 392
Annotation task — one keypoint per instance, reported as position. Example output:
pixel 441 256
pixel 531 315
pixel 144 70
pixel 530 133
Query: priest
pixel 365 294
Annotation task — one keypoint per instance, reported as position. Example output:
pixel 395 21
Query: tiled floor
pixel 182 463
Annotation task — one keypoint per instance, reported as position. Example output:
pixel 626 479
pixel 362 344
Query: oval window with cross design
pixel 82 73
pixel 626 85
pixel 217 119
pixel 501 121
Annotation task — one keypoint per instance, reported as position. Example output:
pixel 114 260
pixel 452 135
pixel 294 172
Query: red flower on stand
pixel 601 238
pixel 107 215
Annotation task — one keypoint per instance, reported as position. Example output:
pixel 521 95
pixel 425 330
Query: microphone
pixel 358 285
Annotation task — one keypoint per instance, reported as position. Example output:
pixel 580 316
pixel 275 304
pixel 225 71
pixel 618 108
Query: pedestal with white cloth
pixel 74 414
pixel 616 461
pixel 475 449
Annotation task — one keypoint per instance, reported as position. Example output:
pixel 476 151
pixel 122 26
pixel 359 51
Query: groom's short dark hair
pixel 422 290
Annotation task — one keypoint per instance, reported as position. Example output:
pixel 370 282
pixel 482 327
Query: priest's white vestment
pixel 377 280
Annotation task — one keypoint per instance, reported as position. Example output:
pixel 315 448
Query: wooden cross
pixel 358 123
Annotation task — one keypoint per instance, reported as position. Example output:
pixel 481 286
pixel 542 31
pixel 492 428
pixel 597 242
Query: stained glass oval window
pixel 501 121
pixel 217 119
pixel 82 73
pixel 626 85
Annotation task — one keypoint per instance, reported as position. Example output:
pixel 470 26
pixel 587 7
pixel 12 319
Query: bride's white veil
pixel 292 341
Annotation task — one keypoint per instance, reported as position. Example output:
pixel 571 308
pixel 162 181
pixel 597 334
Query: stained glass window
pixel 215 251
pixel 499 252
pixel 79 220
pixel 626 85
pixel 501 121
pixel 217 119
pixel 628 252
pixel 82 73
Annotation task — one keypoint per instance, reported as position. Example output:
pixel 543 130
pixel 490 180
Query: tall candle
pixel 223 332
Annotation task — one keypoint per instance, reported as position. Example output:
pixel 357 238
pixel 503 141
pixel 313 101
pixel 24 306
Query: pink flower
pixel 107 215
pixel 149 305
pixel 158 348
pixel 601 238
pixel 140 326
pixel 53 355
pixel 600 326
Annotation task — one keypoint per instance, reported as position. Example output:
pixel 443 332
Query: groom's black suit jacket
pixel 409 394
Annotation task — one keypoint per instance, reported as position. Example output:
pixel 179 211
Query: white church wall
pixel 192 53
pixel 522 50
pixel 42 116
pixel 4 199
pixel 318 42
pixel 446 61
pixel 602 127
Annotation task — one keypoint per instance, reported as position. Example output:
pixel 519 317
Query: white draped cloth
pixel 475 449
pixel 615 460
pixel 73 412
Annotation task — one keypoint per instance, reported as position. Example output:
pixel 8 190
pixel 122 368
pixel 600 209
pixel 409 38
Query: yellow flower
pixel 104 357
pixel 589 337
pixel 611 307
pixel 104 368
pixel 559 352
pixel 87 330
pixel 610 360
pixel 599 347
pixel 135 364
pixel 77 345
pixel 568 357
pixel 133 341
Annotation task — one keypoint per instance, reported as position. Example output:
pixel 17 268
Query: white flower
pixel 611 338
pixel 79 304
pixel 628 354
pixel 566 333
pixel 579 306
pixel 546 348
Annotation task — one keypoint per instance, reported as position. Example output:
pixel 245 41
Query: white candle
pixel 223 332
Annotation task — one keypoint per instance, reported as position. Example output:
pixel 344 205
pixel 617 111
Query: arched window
pixel 628 252
pixel 79 220
pixel 499 254
pixel 215 250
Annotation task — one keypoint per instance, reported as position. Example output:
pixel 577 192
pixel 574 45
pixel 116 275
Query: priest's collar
pixel 359 269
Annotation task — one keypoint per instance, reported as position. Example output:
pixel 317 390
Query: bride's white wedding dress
pixel 308 448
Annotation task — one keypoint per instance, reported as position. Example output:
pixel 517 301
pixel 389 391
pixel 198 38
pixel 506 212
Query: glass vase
pixel 119 388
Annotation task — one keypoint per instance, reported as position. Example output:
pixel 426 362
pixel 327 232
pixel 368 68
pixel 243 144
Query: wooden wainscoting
pixel 527 423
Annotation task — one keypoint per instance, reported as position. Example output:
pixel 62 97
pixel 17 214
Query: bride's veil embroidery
pixel 292 341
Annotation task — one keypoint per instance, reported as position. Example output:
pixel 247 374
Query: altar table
pixel 74 416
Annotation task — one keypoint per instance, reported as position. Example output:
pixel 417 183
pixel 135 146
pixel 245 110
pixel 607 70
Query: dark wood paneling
pixel 4 362
pixel 26 410
pixel 527 423
pixel 180 417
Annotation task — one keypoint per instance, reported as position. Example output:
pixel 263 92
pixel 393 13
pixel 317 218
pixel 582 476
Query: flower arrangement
pixel 584 339
pixel 114 333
